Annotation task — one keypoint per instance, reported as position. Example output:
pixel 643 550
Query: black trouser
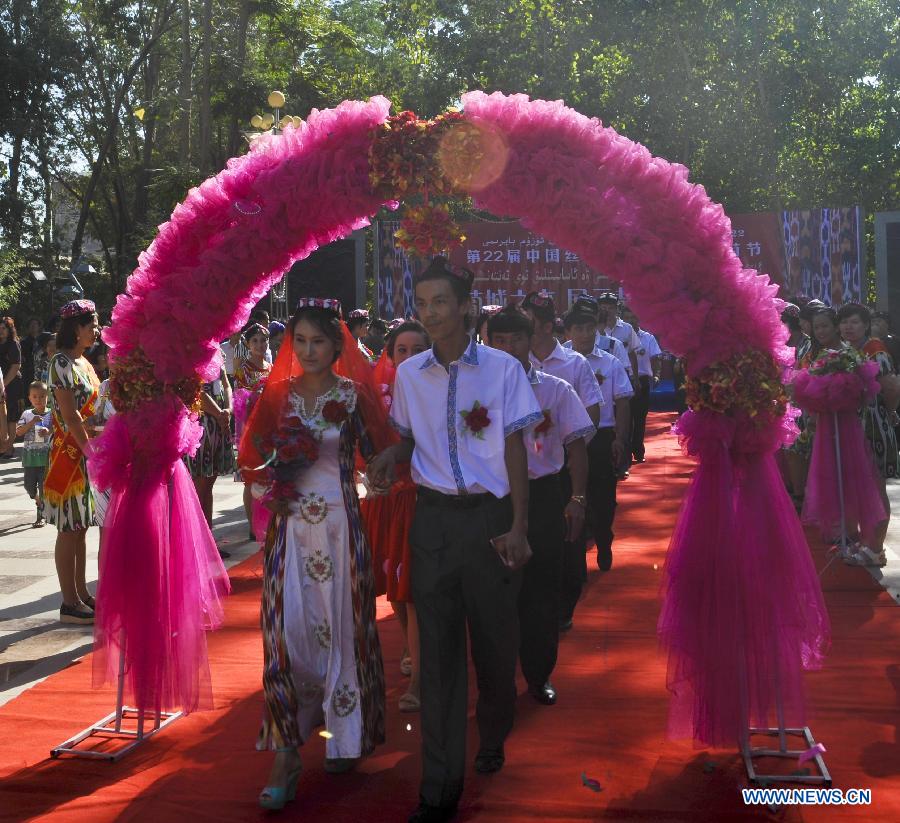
pixel 458 579
pixel 601 510
pixel 539 596
pixel 640 407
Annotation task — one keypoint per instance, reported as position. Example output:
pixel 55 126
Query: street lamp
pixel 272 121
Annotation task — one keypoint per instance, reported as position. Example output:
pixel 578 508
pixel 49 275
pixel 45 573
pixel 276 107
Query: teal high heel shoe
pixel 275 798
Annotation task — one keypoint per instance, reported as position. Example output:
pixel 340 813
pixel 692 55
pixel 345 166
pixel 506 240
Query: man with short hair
pixel 560 437
pixel 605 452
pixel 611 345
pixel 461 409
pixel 881 329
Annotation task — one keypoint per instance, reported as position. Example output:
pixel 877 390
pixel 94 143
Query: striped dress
pixel 321 650
pixel 877 418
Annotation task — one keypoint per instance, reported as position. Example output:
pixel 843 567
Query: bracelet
pixel 579 499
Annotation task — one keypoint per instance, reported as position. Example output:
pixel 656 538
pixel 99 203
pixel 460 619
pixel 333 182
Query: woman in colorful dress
pixel 321 650
pixel 249 378
pixel 879 418
pixel 215 456
pixel 68 500
pixel 388 517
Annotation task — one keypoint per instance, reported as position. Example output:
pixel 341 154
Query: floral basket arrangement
pixel 839 380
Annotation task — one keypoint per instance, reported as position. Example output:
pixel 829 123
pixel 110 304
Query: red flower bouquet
pixel 545 425
pixel 292 447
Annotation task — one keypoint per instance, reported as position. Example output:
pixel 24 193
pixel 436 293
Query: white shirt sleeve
pixel 621 385
pixel 635 340
pixel 653 348
pixel 399 417
pixel 586 386
pixel 618 351
pixel 574 421
pixel 520 406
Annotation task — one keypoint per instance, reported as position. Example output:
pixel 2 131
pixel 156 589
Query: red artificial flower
pixel 293 422
pixel 334 411
pixel 289 452
pixel 476 418
pixel 545 425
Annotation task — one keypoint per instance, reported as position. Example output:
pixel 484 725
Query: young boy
pixel 461 409
pixel 34 426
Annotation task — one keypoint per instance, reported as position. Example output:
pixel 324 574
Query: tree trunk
pixel 184 91
pixel 234 133
pixel 205 130
pixel 112 126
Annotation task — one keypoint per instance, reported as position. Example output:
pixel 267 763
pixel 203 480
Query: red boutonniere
pixel 334 411
pixel 640 352
pixel 476 420
pixel 600 377
pixel 545 425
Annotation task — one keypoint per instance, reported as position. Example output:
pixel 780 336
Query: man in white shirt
pixel 648 358
pixel 461 409
pixel 606 450
pixel 560 437
pixel 549 356
pixel 611 345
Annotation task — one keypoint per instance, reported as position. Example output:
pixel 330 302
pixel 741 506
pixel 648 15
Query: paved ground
pixel 33 644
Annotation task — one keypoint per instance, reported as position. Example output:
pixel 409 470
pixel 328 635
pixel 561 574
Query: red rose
pixel 477 419
pixel 545 425
pixel 334 411
pixel 288 453
pixel 293 422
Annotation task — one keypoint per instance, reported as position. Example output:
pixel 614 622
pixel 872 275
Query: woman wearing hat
pixel 68 501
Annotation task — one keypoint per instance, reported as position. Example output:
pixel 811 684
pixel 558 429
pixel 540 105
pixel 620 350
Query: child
pixel 34 426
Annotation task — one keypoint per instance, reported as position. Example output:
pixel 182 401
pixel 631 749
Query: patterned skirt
pixel 75 511
pixel 317 610
pixel 216 455
pixel 881 437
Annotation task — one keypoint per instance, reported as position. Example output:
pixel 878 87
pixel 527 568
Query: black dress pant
pixel 640 408
pixel 539 595
pixel 458 579
pixel 601 511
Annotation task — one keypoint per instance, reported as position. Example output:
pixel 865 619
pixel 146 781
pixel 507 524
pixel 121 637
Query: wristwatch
pixel 579 499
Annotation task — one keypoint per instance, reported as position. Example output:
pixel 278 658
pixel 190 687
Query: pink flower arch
pixel 634 216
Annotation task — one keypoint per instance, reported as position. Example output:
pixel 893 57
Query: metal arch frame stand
pixel 110 727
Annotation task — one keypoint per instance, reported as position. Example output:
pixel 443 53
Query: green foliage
pixel 770 103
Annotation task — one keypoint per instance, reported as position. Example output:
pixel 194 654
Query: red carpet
pixel 609 722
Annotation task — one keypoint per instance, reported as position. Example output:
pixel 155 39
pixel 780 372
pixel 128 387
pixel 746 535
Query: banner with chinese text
pixel 507 260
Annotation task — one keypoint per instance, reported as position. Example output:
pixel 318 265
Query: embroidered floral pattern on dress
pixel 344 701
pixel 319 567
pixel 323 634
pixel 313 508
pixel 309 693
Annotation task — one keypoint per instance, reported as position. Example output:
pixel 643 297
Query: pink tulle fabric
pixel 743 612
pixel 836 399
pixel 161 579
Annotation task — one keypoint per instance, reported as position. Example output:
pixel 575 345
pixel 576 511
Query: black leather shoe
pixel 565 624
pixel 432 814
pixel 488 761
pixel 546 694
pixel 604 558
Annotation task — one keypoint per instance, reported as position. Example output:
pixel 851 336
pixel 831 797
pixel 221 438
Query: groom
pixel 461 409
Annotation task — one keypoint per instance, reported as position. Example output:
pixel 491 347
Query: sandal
pixel 409 703
pixel 275 798
pixel 864 556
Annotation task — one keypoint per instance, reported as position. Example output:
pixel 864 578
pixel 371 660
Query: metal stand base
pixel 821 779
pixel 110 728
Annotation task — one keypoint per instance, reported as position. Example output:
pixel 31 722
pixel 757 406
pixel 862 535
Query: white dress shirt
pixel 614 384
pixel 570 366
pixel 564 420
pixel 609 344
pixel 625 333
pixel 649 348
pixel 428 406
